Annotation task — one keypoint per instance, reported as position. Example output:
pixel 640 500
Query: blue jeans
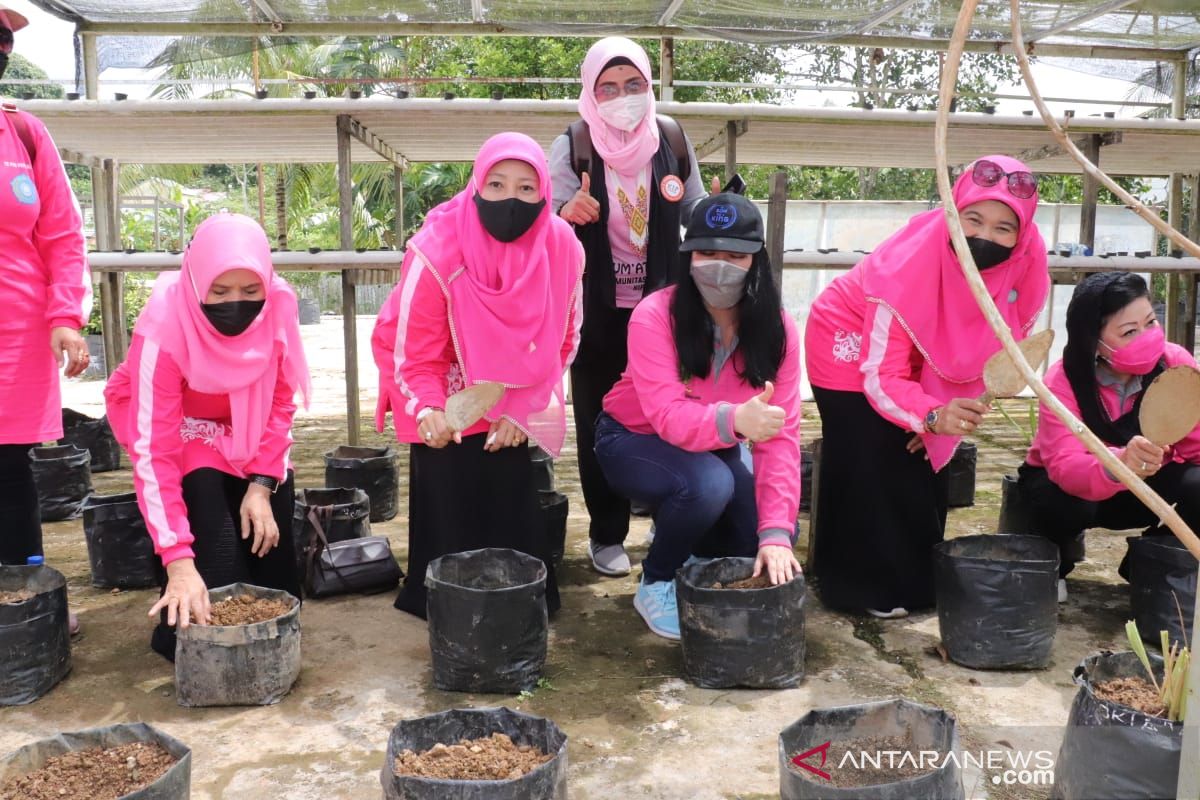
pixel 704 502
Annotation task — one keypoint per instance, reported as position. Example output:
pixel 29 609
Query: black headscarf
pixel 1096 299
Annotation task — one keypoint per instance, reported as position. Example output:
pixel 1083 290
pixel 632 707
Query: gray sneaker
pixel 609 559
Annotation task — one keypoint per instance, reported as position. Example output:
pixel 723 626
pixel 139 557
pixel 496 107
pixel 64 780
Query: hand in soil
pixel 96 774
pixel 778 562
pixel 898 757
pixel 494 758
pixel 12 598
pixel 186 595
pixel 1136 693
pixel 247 610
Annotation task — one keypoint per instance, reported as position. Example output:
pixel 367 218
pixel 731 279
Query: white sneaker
pixel 895 613
pixel 1062 590
pixel 609 559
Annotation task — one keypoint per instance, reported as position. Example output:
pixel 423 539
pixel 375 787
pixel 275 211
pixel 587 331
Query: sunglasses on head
pixel 1021 184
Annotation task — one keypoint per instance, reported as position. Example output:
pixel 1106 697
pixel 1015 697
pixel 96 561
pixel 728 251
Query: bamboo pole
pixel 1114 465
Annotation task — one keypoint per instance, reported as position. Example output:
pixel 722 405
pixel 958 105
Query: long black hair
pixel 761 337
pixel 1096 299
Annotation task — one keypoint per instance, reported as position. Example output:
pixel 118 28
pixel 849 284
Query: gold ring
pixel 428 436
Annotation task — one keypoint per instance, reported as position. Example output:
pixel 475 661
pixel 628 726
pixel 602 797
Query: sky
pixel 48 43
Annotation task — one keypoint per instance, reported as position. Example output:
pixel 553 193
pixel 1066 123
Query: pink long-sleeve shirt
pixel 697 414
pixel 169 429
pixel 415 322
pixel 44 280
pixel 1071 465
pixel 853 345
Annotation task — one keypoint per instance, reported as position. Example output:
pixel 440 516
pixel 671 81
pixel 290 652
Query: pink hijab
pixel 508 303
pixel 916 275
pixel 626 153
pixel 242 366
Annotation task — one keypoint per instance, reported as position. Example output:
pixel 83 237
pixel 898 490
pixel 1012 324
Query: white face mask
pixel 721 283
pixel 626 112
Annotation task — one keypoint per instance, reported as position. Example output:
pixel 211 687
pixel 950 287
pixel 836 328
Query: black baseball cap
pixel 724 221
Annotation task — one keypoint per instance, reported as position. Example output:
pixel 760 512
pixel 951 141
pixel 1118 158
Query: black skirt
pixel 881 510
pixel 462 497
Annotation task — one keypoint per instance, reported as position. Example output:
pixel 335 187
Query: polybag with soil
pixel 95 436
pixel 174 784
pixel 35 638
pixel 120 551
pixel 546 782
pixel 372 469
pixel 63 478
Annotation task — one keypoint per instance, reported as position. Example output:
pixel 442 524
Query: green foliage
pixel 22 68
pixel 135 292
pixel 1172 692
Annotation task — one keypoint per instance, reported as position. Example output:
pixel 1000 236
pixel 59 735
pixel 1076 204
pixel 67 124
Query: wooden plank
pixel 1091 192
pixel 776 219
pixel 349 311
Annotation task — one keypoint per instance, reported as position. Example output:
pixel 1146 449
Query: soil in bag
pixel 492 758
pixel 873 769
pixel 247 610
pixel 94 774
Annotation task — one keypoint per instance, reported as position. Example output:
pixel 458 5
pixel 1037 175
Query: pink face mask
pixel 1139 356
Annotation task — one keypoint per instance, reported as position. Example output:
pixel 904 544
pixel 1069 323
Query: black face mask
pixel 233 317
pixel 507 220
pixel 987 253
pixel 3 63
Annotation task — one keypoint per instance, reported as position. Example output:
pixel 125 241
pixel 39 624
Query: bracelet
pixel 272 484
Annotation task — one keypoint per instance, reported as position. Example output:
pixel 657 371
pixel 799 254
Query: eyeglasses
pixel 1021 184
pixel 611 91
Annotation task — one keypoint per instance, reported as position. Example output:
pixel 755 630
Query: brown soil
pixel 495 758
pixel 247 610
pixel 1135 692
pixel 92 774
pixel 892 768
pixel 19 596
pixel 763 581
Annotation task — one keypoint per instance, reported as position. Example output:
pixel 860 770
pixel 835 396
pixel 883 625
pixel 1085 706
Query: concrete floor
pixel 636 728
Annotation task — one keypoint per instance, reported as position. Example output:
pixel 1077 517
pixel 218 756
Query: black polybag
pixel 35 637
pixel 806 473
pixel 930 729
pixel 372 469
pixel 174 784
pixel 543 469
pixel 64 479
pixel 555 507
pixel 739 637
pixel 1014 513
pixel 487 620
pixel 1162 583
pixel 95 436
pixel 997 600
pixel 547 782
pixel 961 475
pixel 344 513
pixel 120 551
pixel 1111 751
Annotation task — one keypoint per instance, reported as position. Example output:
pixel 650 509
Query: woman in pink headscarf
pixel 204 406
pixel 626 177
pixel 489 291
pixel 895 351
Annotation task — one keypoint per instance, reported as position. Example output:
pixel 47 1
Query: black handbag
pixel 363 565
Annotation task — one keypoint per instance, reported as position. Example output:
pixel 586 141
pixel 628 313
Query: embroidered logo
pixel 847 347
pixel 720 216
pixel 204 430
pixel 454 380
pixel 24 190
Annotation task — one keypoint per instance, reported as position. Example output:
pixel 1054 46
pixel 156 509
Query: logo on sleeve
pixel 24 190
pixel 720 216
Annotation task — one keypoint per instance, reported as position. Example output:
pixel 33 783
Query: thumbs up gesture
pixel 582 209
pixel 758 420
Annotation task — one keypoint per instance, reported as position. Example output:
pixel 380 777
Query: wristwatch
pixel 931 419
pixel 272 484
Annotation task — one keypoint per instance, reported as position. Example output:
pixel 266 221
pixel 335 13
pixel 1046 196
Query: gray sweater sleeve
pixel 563 180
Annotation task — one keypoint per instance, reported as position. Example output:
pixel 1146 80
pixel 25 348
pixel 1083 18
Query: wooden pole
pixel 666 69
pixel 1176 322
pixel 731 135
pixel 398 181
pixel 1091 193
pixel 349 311
pixel 776 219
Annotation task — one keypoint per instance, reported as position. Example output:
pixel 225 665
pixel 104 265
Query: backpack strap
pixel 678 142
pixel 581 145
pixel 23 132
